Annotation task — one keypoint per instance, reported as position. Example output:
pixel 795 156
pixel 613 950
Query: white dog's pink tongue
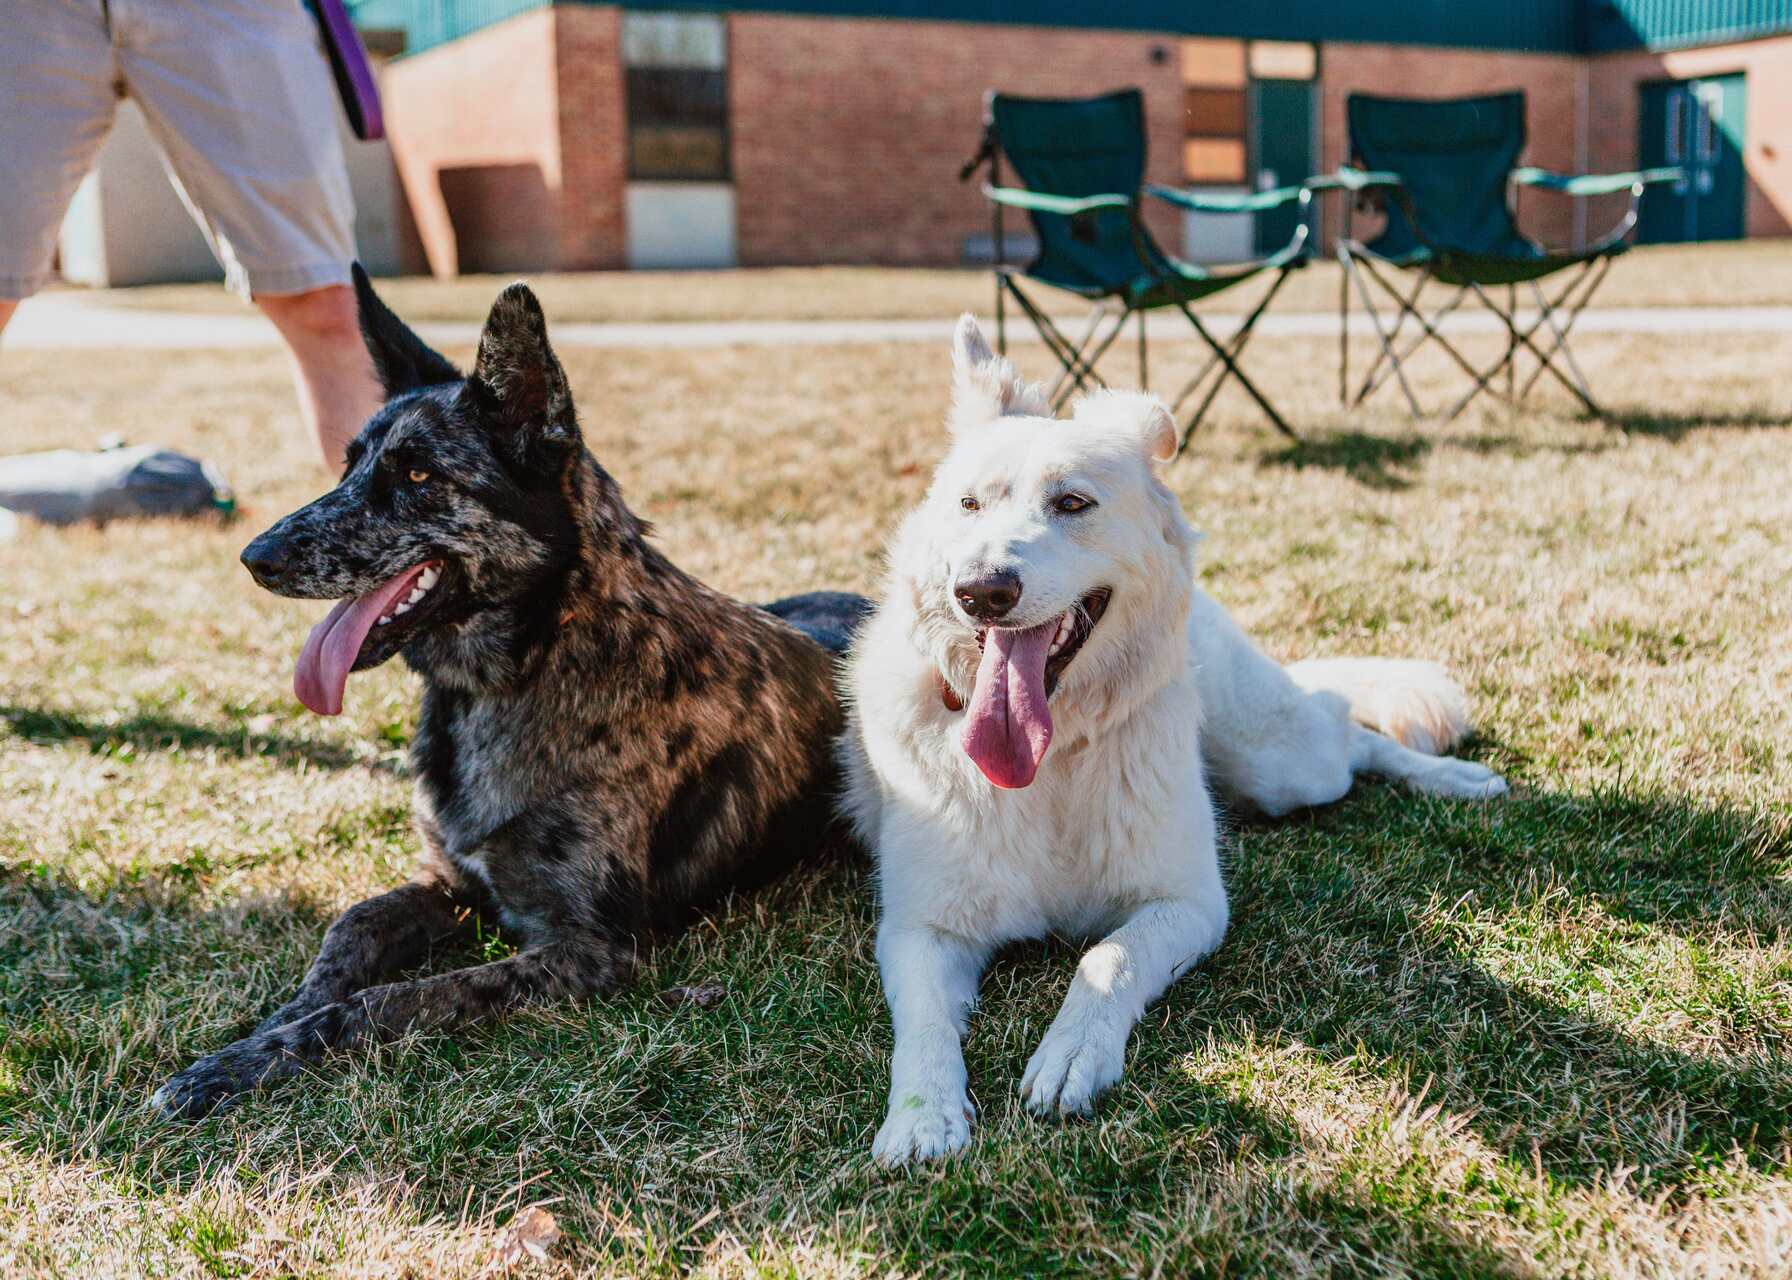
pixel 334 644
pixel 1007 726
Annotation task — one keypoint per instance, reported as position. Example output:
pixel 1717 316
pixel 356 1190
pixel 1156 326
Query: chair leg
pixel 1517 338
pixel 1512 364
pixel 1407 305
pixel 1144 369
pixel 1428 332
pixel 1569 304
pixel 1228 357
pixel 1076 358
pixel 1075 367
pixel 1232 349
pixel 1343 331
pixel 1081 371
pixel 1558 342
pixel 1387 350
pixel 1001 314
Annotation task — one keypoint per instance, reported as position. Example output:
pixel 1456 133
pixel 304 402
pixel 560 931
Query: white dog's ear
pixel 984 385
pixel 1137 413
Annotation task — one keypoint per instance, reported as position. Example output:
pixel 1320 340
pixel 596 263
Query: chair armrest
pixel 1252 203
pixel 1593 184
pixel 1349 178
pixel 1042 202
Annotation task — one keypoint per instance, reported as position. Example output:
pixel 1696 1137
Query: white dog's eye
pixel 969 503
pixel 1071 503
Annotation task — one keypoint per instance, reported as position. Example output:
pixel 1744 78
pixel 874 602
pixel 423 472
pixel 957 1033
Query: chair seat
pixel 1460 268
pixel 1174 283
pixel 1485 269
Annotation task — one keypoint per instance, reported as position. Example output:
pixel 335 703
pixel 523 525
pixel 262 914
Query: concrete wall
pixel 127 224
pixel 485 112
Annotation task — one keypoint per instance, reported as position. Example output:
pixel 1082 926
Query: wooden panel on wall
pixel 1213 64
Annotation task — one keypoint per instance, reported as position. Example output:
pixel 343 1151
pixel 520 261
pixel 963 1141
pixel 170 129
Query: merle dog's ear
pixel 984 385
pixel 529 405
pixel 401 360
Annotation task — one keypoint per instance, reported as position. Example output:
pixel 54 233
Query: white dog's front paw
pixel 1072 1067
pixel 919 1128
pixel 1463 780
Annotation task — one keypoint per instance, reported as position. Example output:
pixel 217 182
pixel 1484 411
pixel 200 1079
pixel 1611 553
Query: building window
pixel 675 69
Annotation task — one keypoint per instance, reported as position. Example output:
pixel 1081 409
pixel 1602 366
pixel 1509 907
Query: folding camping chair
pixel 1083 163
pixel 1449 167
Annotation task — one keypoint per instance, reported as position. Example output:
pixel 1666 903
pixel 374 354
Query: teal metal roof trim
pixel 429 23
pixel 1612 25
pixel 1542 26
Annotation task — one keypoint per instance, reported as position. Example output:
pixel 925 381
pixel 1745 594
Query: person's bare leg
pixel 330 368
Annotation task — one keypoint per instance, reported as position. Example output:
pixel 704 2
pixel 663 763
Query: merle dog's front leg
pixel 374 941
pixel 568 969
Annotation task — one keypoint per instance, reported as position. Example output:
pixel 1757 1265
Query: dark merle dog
pixel 606 744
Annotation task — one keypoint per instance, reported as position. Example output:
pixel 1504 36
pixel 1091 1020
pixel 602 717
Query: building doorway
pixel 1700 125
pixel 1282 151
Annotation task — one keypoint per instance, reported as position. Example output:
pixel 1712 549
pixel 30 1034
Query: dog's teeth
pixel 383 620
pixel 416 595
pixel 429 579
pixel 403 608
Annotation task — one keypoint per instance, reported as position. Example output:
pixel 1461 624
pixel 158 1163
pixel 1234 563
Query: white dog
pixel 1036 707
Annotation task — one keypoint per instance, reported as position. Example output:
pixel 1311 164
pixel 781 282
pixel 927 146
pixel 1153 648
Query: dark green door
pixel 1701 126
pixel 1282 150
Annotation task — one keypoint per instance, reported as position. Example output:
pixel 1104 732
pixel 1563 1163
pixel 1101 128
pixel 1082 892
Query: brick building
pixel 538 135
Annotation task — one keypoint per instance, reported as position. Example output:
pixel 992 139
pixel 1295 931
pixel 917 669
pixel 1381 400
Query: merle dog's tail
pixel 1413 702
pixel 828 617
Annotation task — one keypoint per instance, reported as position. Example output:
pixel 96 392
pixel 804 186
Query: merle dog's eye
pixel 1071 503
pixel 418 477
pixel 969 503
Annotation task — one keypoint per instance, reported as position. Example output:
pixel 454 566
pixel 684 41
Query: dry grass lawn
pixel 1750 273
pixel 1545 1037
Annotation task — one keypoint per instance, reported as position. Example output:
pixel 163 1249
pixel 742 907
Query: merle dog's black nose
pixel 268 559
pixel 990 596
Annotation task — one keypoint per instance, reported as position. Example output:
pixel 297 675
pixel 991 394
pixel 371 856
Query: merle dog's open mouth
pixel 365 630
pixel 1074 628
pixel 414 598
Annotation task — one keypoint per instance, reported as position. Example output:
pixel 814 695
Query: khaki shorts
pixel 239 98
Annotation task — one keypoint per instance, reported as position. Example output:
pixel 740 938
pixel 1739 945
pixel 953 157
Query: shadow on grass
pixel 1339 947
pixel 1375 461
pixel 1354 940
pixel 1387 462
pixel 148 731
pixel 1677 426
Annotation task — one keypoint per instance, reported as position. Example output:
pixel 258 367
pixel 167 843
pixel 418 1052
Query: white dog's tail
pixel 1415 703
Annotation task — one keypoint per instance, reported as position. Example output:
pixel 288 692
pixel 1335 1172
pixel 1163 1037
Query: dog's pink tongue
pixel 334 644
pixel 1007 726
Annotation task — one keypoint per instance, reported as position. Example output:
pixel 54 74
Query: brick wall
pixel 1767 151
pixel 593 137
pixel 848 133
pixel 1552 82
